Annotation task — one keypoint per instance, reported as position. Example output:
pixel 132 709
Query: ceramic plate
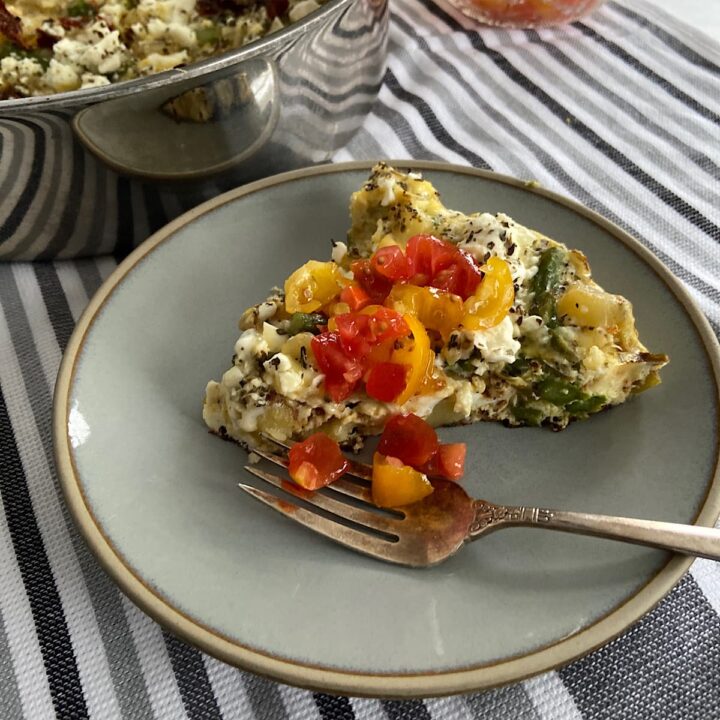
pixel 156 496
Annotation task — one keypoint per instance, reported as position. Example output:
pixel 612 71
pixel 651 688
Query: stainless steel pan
pixel 96 171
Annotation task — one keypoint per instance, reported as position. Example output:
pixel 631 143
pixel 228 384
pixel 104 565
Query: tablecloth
pixel 619 111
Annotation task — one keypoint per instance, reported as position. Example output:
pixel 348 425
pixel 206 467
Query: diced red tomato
pixel 392 263
pixel 410 439
pixel 357 341
pixel 316 462
pixel 442 265
pixel 386 381
pixel 361 332
pixel 342 373
pixel 355 297
pixel 447 463
pixel 376 286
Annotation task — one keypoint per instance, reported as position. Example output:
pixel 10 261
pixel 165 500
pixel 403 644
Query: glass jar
pixel 525 13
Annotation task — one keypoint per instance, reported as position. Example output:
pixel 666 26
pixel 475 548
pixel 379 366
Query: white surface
pixel 701 14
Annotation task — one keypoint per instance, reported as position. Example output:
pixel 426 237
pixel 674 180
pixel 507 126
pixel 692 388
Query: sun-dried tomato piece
pixel 11 26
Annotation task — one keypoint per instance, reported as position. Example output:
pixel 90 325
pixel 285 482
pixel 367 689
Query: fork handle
pixel 685 539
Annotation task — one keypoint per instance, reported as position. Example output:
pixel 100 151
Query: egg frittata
pixel 455 318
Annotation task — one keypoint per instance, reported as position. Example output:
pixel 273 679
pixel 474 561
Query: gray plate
pixel 155 495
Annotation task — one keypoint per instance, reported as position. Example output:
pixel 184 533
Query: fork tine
pixel 344 511
pixel 344 487
pixel 354 539
pixel 355 468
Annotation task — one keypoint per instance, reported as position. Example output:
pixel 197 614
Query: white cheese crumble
pixel 339 252
pixel 387 185
pixel 249 345
pixel 285 374
pixel 497 344
pixel 301 9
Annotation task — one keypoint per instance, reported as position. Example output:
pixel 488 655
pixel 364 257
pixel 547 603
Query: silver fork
pixel 435 528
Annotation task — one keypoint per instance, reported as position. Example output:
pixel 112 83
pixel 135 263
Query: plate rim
pixel 334 680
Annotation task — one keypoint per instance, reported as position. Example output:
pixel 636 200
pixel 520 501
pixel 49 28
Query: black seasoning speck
pixel 303 356
pixel 519 321
pixel 511 249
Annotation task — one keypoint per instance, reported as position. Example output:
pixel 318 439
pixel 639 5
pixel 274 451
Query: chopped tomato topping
pixel 356 342
pixel 392 263
pixel 376 286
pixel 493 299
pixel 435 309
pixel 342 373
pixel 386 381
pixel 410 439
pixel 355 297
pixel 361 332
pixel 395 484
pixel 442 265
pixel 448 462
pixel 316 462
pixel 414 351
pixel 311 286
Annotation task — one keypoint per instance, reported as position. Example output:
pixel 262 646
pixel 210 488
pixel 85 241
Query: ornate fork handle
pixel 686 539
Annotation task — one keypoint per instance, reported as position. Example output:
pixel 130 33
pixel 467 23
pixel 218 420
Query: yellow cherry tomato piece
pixel 435 309
pixel 415 352
pixel 311 286
pixel 493 298
pixel 395 484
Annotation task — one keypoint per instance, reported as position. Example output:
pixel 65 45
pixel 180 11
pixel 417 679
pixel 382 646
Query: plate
pixel 156 496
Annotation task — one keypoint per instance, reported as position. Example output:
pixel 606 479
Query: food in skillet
pixel 431 313
pixel 51 46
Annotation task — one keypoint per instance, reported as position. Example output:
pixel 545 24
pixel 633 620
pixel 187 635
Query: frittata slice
pixel 536 342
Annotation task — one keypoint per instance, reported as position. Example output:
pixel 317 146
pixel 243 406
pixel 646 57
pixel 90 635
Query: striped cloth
pixel 621 112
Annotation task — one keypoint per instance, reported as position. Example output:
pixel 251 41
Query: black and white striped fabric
pixel 621 112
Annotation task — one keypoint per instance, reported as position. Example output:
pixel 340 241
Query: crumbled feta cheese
pixel 496 344
pixel 114 13
pixel 285 374
pixel 232 377
pixel 301 9
pixel 88 80
pixel 463 399
pixel 387 185
pixel 272 337
pixel 339 251
pixel 61 77
pixel 53 29
pixel 249 346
